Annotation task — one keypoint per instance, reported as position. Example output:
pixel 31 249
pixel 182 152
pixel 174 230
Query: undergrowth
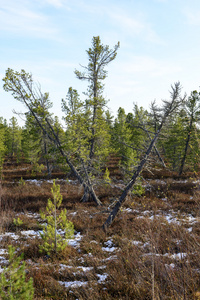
pixel 151 251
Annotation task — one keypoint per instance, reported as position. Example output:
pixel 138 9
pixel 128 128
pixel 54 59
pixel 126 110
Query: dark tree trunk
pixel 186 149
pixel 168 108
pixel 130 184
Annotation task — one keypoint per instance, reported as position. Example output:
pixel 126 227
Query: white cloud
pixel 148 65
pixel 18 17
pixel 56 3
pixel 162 1
pixel 192 17
pixel 135 26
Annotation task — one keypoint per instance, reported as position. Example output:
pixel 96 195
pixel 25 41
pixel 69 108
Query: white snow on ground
pixel 40 181
pixel 75 241
pixel 109 247
pixel 128 210
pixel 113 257
pixel 30 215
pixel 73 213
pixel 9 234
pixel 73 284
pixel 171 218
pixel 136 243
pixel 178 256
pixel 85 269
pixel 31 233
pixel 3 251
pixel 102 278
pixel 63 267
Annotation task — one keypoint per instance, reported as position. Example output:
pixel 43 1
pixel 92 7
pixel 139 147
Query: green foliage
pixel 138 189
pixel 94 118
pixel 37 168
pixel 2 144
pixel 181 142
pixel 22 182
pixel 14 139
pixel 106 176
pixel 13 284
pixel 173 144
pixel 52 240
pixel 17 222
pixel 123 141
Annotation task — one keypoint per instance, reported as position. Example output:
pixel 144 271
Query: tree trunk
pixel 186 148
pixel 130 184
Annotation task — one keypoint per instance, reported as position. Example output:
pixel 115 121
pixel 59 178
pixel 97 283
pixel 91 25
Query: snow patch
pixel 72 284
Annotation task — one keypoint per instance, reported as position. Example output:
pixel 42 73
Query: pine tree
pixel 2 145
pixel 52 240
pixel 13 284
pixel 99 56
pixel 192 108
pixel 14 138
pixel 172 142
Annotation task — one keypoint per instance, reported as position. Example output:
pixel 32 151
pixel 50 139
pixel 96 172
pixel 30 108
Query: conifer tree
pixel 14 138
pixel 13 284
pixel 52 240
pixel 121 137
pixel 192 108
pixel 172 140
pixel 99 56
pixel 2 143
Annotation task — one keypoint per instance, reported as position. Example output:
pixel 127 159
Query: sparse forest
pixel 101 206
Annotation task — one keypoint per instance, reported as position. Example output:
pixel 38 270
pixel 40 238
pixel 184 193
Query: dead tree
pixel 167 109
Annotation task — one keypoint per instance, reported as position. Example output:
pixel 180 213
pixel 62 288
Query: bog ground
pixel 152 249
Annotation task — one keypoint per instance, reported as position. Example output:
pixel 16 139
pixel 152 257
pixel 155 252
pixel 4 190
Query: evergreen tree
pixel 121 137
pixel 99 57
pixel 52 240
pixel 2 144
pixel 172 140
pixel 14 138
pixel 13 284
pixel 192 109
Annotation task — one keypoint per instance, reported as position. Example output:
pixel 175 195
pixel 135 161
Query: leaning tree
pixel 161 115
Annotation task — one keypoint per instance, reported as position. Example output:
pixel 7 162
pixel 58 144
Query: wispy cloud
pixel 55 3
pixel 18 17
pixel 148 65
pixel 135 26
pixel 59 4
pixel 192 16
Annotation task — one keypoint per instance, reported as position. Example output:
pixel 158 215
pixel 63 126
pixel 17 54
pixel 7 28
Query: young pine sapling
pixel 55 220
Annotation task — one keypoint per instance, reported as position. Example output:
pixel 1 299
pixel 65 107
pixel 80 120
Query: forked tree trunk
pixel 168 108
pixel 130 184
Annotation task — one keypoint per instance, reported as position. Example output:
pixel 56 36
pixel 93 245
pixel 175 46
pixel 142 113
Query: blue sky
pixel 159 45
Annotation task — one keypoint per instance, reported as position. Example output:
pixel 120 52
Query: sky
pixel 159 45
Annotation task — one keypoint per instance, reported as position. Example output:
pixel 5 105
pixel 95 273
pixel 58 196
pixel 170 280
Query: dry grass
pixel 151 250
